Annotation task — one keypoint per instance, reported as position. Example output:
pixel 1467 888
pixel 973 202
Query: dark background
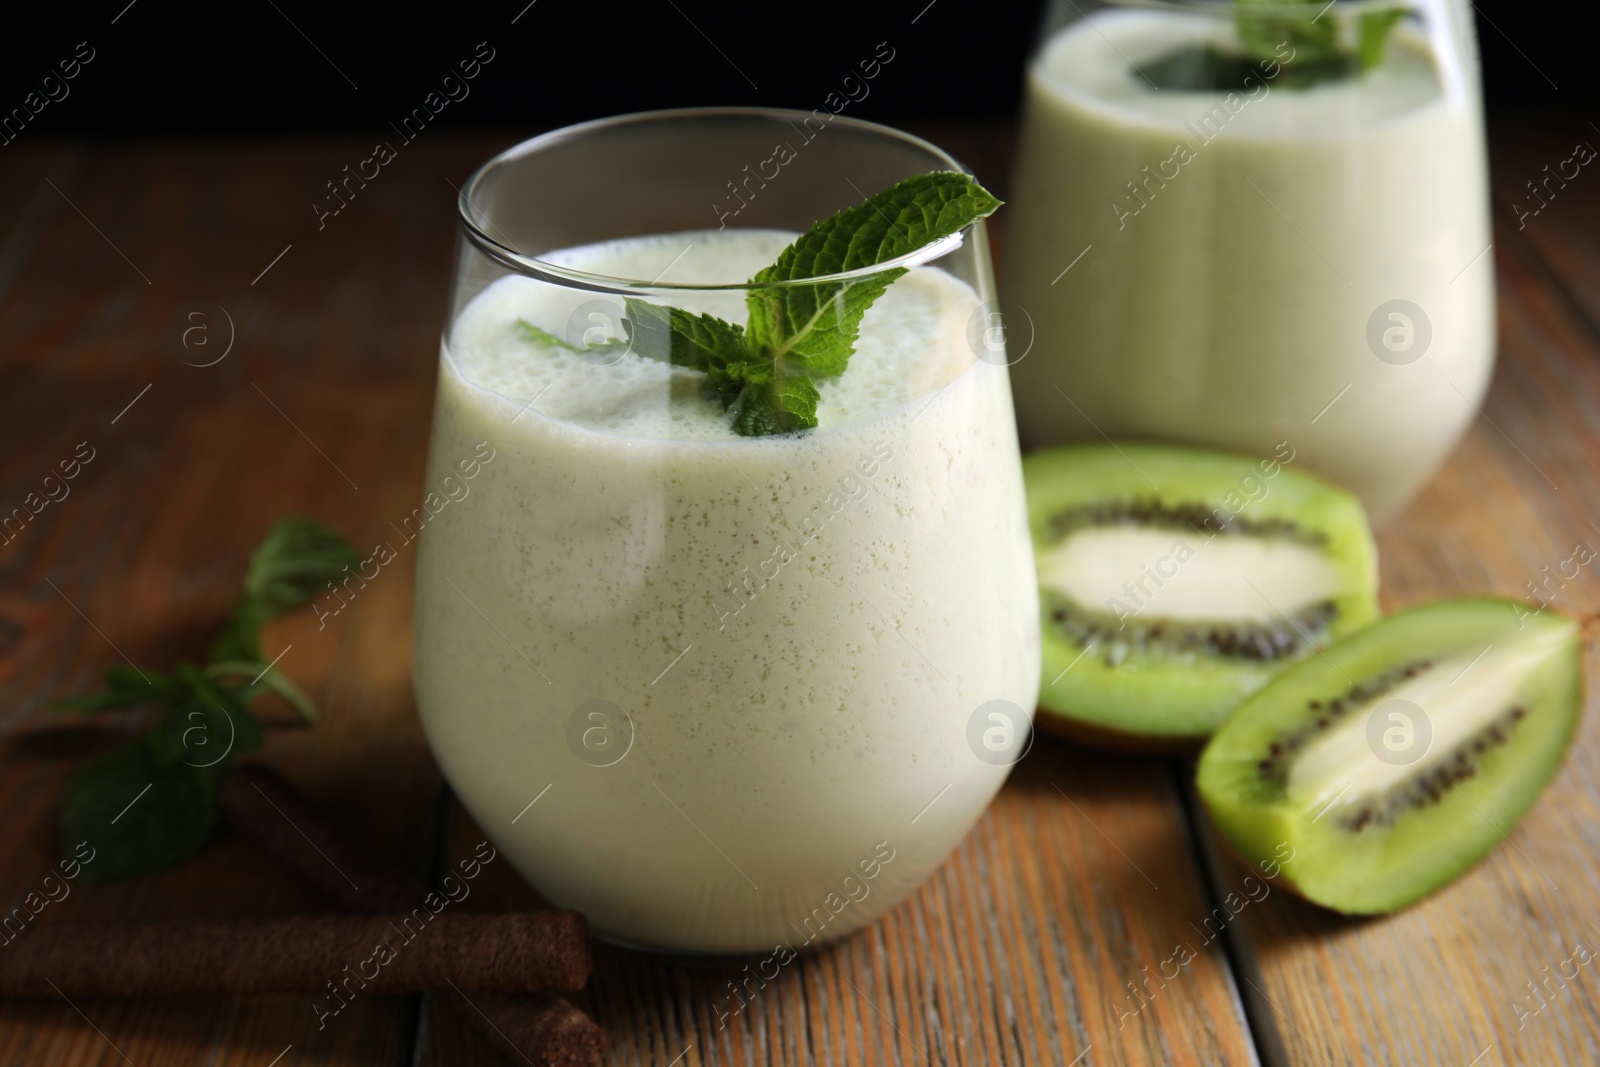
pixel 252 67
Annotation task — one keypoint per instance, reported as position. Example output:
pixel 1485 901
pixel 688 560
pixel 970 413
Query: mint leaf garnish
pixel 550 340
pixel 765 373
pixel 545 337
pixel 816 325
pixel 1319 44
pixel 1309 38
pixel 776 405
pixel 1373 35
pixel 673 335
pixel 152 803
pixel 1290 51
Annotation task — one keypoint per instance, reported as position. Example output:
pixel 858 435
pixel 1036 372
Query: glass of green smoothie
pixel 1237 224
pixel 722 567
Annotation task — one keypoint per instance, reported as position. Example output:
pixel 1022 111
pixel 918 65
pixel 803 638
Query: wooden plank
pixel 1458 978
pixel 330 377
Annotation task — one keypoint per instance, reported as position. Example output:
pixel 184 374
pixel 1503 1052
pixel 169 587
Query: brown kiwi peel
pixel 1092 735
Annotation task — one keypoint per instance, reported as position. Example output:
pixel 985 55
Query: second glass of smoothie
pixel 1236 224
pixel 717 692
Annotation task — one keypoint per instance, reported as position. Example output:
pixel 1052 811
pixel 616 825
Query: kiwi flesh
pixel 1380 770
pixel 1175 582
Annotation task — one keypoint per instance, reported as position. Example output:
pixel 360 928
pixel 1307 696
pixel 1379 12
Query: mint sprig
pixel 1320 45
pixel 1294 51
pixel 765 372
pixel 152 803
pixel 296 560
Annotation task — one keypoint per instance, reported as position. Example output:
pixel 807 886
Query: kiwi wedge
pixel 1378 771
pixel 1174 582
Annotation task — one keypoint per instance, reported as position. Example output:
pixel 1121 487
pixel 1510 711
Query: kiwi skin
pixel 1382 868
pixel 1110 739
pixel 1157 707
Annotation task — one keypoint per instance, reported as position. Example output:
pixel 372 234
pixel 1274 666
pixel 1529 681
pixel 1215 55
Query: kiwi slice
pixel 1376 772
pixel 1175 582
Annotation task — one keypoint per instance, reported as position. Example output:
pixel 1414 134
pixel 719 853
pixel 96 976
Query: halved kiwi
pixel 1175 582
pixel 1376 772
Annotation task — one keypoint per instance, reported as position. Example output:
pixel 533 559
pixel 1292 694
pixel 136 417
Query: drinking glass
pixel 720 693
pixel 1242 224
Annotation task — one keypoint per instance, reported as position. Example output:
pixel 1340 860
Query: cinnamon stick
pixel 544 1029
pixel 369 954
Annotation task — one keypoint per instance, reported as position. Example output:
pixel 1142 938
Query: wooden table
pixel 1030 946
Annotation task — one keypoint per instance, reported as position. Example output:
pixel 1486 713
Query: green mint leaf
pixel 1206 68
pixel 208 727
pixel 544 337
pixel 126 687
pixel 815 326
pixel 296 560
pixel 138 830
pixel 138 817
pixel 1312 39
pixel 204 733
pixel 263 679
pixel 780 405
pixel 734 376
pixel 277 682
pixel 293 565
pixel 1321 45
pixel 684 339
pixel 549 340
pixel 240 636
pixel 1373 35
pixel 727 382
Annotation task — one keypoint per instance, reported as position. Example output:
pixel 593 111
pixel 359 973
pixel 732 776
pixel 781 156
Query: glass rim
pixel 1285 9
pixel 561 274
